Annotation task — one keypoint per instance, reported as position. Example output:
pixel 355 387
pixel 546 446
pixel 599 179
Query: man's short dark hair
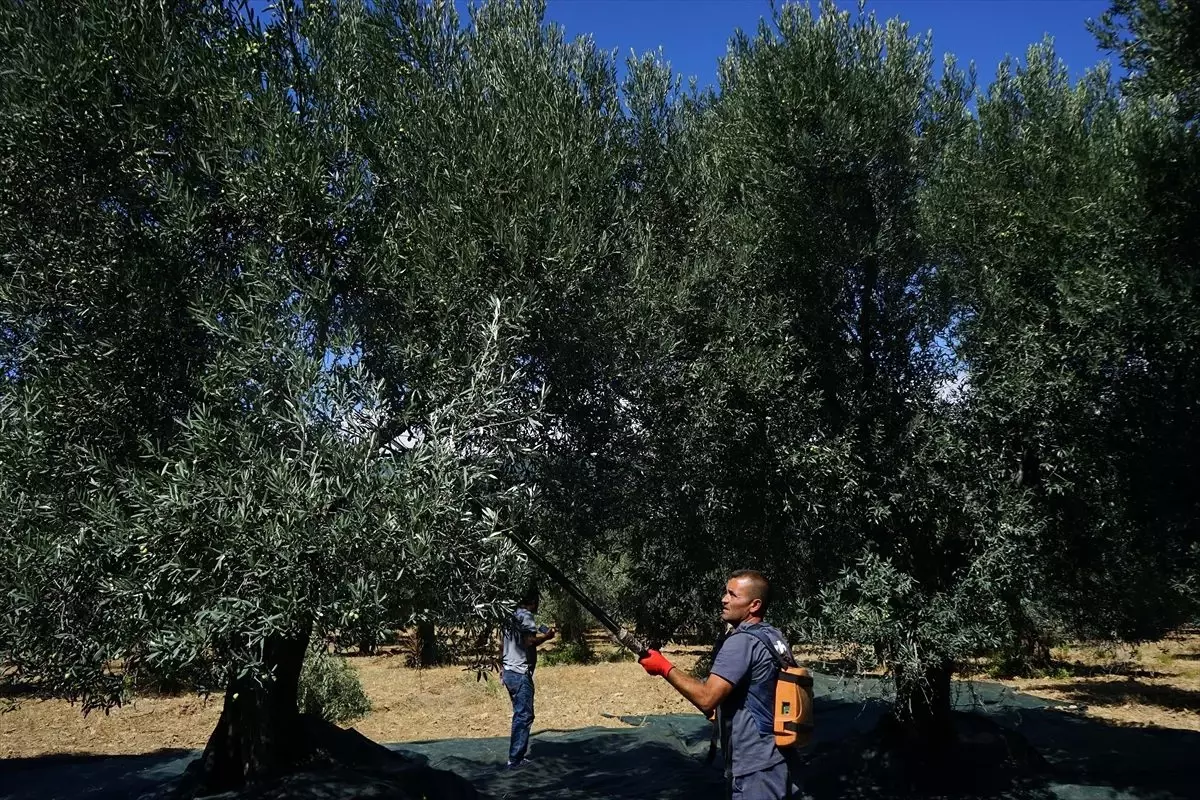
pixel 532 595
pixel 760 587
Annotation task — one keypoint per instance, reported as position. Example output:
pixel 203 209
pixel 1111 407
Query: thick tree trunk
pixel 259 734
pixel 572 621
pixel 1031 654
pixel 923 709
pixel 1028 654
pixel 428 654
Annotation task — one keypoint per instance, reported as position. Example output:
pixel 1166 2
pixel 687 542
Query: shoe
pixel 517 764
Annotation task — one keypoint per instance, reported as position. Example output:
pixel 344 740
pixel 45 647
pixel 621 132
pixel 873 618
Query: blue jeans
pixel 520 689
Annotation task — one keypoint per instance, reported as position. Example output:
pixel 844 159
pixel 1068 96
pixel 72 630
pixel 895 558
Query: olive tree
pixel 271 366
pixel 1076 331
pixel 791 408
pixel 1158 43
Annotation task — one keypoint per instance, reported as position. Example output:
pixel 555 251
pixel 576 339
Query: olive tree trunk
pixel 923 708
pixel 259 734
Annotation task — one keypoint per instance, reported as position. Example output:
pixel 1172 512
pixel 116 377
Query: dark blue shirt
pixel 743 659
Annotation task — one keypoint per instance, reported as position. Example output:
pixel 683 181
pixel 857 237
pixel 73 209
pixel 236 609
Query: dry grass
pixel 409 705
pixel 42 727
pixel 446 702
pixel 1156 684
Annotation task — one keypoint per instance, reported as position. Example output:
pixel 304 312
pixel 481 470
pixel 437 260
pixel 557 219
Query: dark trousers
pixel 766 784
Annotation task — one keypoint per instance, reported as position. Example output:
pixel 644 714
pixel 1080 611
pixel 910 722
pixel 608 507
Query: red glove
pixel 655 663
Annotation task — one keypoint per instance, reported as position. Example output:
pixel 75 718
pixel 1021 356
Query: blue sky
pixel 693 33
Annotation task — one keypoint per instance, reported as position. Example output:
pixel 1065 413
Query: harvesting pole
pixel 624 637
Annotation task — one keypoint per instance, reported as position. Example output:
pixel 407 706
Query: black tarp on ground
pixel 1072 758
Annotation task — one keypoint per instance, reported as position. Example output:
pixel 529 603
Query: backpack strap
pixel 760 696
pixel 781 654
pixel 783 658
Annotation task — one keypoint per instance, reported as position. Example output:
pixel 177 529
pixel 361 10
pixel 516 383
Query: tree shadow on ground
pixel 1016 751
pixel 1124 669
pixel 1116 693
pixel 1022 749
pixel 89 776
pixel 24 690
pixel 658 757
pixel 1085 753
pixel 1183 633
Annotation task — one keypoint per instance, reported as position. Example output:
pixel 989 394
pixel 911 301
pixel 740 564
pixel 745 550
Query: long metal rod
pixel 623 636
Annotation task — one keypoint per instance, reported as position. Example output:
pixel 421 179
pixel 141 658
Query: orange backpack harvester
pixel 793 707
pixel 792 717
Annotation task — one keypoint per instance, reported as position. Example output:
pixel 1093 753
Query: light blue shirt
pixel 517 657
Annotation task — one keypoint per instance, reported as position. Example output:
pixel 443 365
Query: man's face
pixel 737 604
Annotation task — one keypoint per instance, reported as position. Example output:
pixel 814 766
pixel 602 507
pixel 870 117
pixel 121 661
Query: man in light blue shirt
pixel 522 635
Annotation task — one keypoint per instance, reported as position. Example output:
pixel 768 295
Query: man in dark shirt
pixel 741 683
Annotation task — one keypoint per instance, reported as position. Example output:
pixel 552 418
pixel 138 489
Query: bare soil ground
pixel 1155 684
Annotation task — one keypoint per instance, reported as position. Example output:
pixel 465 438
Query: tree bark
pixel 259 734
pixel 1032 654
pixel 572 621
pixel 923 709
pixel 427 636
pixel 1028 653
